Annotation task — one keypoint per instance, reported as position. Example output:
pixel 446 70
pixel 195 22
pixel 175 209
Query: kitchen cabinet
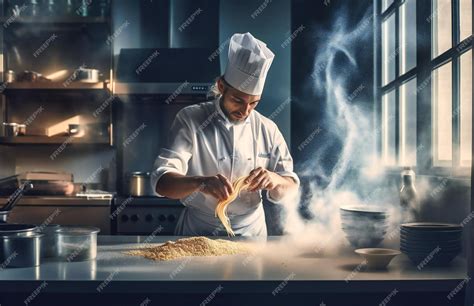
pixel 62 210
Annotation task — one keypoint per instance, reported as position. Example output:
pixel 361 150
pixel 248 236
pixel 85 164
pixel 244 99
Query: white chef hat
pixel 249 61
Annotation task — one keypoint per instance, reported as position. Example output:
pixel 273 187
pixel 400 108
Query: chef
pixel 214 143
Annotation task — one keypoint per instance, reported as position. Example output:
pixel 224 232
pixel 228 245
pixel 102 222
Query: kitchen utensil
pixel 50 240
pixel 364 226
pixel 4 216
pixel 16 196
pixel 20 251
pixel 74 129
pixel 12 229
pixel 43 188
pixel 10 76
pixel 21 129
pixel 10 129
pixel 377 258
pixel 140 185
pixel 31 76
pixel 431 226
pixel 431 244
pixel 87 75
pixel 76 243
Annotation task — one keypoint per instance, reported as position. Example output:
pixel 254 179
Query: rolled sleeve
pixel 282 164
pixel 176 155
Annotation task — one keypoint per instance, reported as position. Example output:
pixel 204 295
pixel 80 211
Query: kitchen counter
pixel 283 271
pixel 59 201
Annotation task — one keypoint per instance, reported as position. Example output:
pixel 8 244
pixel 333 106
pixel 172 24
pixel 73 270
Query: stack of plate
pixel 431 244
pixel 365 227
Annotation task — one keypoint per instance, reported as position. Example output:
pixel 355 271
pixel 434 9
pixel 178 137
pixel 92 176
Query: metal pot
pixel 10 129
pixel 20 251
pixel 4 216
pixel 50 240
pixel 87 75
pixel 13 229
pixel 10 76
pixel 76 243
pixel 139 185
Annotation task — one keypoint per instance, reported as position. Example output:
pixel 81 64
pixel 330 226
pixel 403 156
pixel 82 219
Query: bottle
pixel 408 196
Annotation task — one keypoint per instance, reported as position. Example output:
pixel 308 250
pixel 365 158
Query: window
pixel 407 36
pixel 398 96
pixel 442 115
pixel 440 20
pixel 465 108
pixel 465 10
pixel 408 123
pixel 388 128
pixel 386 4
pixel 388 50
pixel 425 103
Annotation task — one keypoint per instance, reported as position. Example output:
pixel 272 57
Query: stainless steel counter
pixel 298 271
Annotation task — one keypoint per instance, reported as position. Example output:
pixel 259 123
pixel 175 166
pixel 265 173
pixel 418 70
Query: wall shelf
pixel 55 140
pixel 53 19
pixel 55 86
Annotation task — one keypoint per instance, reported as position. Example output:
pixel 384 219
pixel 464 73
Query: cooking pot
pixel 139 184
pixel 87 75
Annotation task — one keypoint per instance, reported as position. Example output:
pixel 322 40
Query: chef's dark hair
pixel 214 90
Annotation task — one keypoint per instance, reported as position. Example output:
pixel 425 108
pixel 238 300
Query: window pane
pixel 442 115
pixel 466 108
pixel 441 26
pixel 407 36
pixel 408 123
pixel 388 128
pixel 465 12
pixel 386 4
pixel 388 50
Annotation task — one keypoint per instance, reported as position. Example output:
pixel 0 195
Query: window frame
pixel 425 65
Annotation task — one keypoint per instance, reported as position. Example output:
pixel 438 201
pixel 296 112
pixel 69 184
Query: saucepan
pixel 140 185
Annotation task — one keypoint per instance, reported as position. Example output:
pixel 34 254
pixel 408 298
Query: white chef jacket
pixel 203 142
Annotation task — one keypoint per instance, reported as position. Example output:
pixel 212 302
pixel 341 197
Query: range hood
pixel 168 71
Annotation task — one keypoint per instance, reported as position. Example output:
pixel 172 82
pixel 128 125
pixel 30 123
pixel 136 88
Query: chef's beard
pixel 229 115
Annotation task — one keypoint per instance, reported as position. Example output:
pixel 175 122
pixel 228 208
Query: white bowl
pixel 377 258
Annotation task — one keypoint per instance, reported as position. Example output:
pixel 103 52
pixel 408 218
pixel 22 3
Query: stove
pixel 145 215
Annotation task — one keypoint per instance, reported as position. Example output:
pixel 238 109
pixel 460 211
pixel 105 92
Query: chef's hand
pixel 261 178
pixel 217 186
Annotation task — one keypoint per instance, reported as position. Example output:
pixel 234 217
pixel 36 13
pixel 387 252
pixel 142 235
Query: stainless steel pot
pixel 50 240
pixel 4 216
pixel 13 229
pixel 76 243
pixel 20 251
pixel 139 185
pixel 87 75
pixel 10 129
pixel 10 76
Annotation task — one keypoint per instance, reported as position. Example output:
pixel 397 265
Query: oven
pixel 145 215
